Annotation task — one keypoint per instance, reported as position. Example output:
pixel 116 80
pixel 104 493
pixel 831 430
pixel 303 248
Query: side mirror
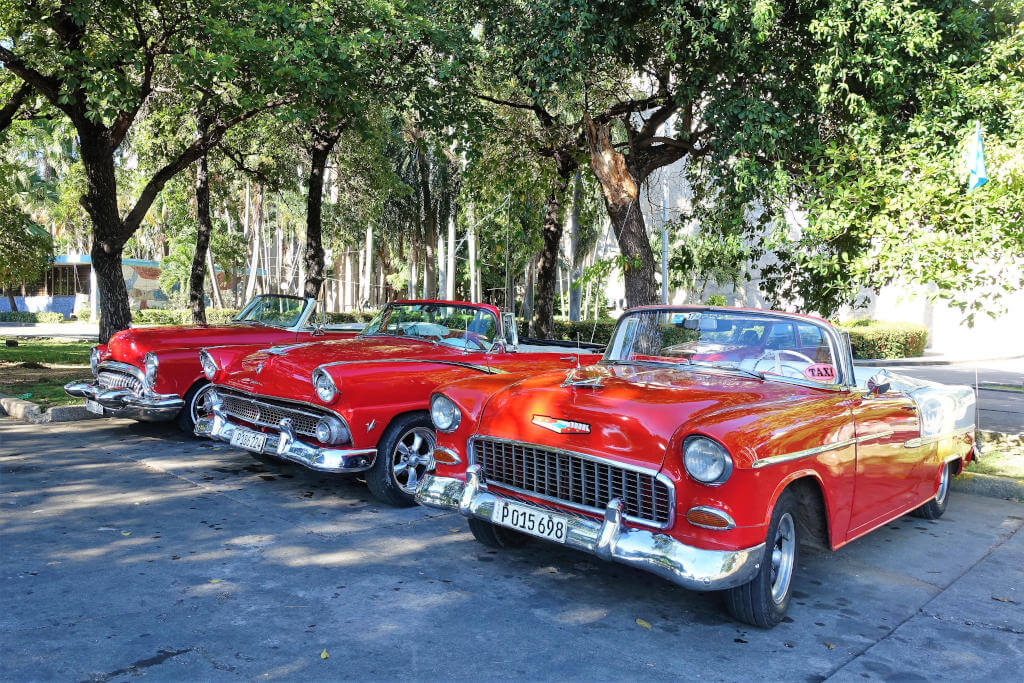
pixel 878 384
pixel 509 331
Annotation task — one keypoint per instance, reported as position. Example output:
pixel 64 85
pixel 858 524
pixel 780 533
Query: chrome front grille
pixel 115 379
pixel 574 479
pixel 266 411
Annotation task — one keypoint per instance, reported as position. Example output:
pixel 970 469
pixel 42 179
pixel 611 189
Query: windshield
pixel 275 310
pixel 750 342
pixel 462 327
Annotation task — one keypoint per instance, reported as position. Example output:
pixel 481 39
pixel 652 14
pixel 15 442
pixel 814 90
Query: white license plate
pixel 531 520
pixel 93 406
pixel 250 441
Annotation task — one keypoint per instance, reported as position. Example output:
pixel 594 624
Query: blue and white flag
pixel 974 159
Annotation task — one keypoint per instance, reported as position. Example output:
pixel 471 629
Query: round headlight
pixel 151 364
pixel 331 430
pixel 324 386
pixel 444 413
pixel 94 360
pixel 706 460
pixel 208 363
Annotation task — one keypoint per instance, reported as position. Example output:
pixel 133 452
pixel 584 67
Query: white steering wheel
pixel 780 368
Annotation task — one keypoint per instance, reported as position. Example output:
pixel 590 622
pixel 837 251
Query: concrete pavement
pixel 130 549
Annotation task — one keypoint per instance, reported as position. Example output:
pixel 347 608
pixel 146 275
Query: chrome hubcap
pixel 199 408
pixel 412 457
pixel 943 485
pixel 783 554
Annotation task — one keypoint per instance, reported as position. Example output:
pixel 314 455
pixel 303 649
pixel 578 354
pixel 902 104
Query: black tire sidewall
pixel 185 421
pixel 380 477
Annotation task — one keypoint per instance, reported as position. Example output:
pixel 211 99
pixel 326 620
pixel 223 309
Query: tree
pixel 101 62
pixel 25 248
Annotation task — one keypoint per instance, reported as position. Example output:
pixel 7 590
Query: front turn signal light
pixel 709 518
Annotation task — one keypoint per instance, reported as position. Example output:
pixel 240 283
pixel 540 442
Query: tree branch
pixel 126 117
pixel 12 107
pixel 198 148
pixel 48 86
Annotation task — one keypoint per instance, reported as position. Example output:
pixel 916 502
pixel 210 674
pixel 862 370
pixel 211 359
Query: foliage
pixel 25 248
pixel 587 331
pixel 181 316
pixel 877 339
pixel 697 260
pixel 30 317
pixel 716 300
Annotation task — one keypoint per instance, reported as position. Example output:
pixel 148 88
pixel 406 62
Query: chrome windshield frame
pixel 841 353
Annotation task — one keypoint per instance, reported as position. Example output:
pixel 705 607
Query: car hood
pixel 632 412
pixel 288 365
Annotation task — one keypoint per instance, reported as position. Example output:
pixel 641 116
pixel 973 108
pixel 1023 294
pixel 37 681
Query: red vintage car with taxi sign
pixel 705 447
pixel 361 405
pixel 153 373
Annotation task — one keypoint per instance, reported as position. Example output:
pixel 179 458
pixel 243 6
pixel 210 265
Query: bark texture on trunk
pixel 621 192
pixel 11 300
pixel 314 255
pixel 197 276
pixel 547 262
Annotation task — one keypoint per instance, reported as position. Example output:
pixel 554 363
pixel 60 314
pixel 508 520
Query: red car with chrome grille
pixel 705 447
pixel 153 373
pixel 361 405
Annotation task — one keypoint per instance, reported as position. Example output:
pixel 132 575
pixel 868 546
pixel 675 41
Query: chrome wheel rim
pixel 198 408
pixel 411 458
pixel 783 556
pixel 940 497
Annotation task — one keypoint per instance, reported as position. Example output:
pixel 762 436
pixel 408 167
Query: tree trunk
pixel 547 262
pixel 429 229
pixel 11 300
pixel 314 258
pixel 100 202
pixel 204 228
pixel 574 239
pixel 621 191
pixel 474 276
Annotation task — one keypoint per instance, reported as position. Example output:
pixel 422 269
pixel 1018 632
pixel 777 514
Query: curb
pixel 27 411
pixel 888 362
pixel 988 485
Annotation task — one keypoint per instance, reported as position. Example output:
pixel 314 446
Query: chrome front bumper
pixel 693 568
pixel 120 402
pixel 287 447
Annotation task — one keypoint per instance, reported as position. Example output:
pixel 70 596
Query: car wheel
pixel 195 406
pixel 404 455
pixel 764 600
pixel 934 508
pixel 495 536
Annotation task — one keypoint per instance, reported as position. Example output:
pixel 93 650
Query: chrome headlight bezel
pixel 208 364
pixel 324 387
pixel 332 430
pixel 444 414
pixel 151 364
pixel 706 461
pixel 94 361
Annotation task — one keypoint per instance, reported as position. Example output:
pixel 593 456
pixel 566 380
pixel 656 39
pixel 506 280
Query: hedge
pixel 874 339
pixel 28 317
pixel 350 317
pixel 599 332
pixel 180 316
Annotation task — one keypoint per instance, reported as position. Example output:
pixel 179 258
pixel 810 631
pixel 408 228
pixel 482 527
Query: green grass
pixel 1003 387
pixel 44 394
pixel 1003 456
pixel 47 350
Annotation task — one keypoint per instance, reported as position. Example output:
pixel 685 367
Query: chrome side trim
pixel 797 455
pixel 664 479
pixel 926 440
pixel 608 538
pixel 878 435
pixel 490 370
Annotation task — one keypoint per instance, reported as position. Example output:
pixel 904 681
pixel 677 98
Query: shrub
pixel 350 317
pixel 588 331
pixel 873 339
pixel 180 316
pixel 29 317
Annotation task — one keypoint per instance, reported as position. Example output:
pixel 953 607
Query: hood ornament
pixel 572 379
pixel 560 426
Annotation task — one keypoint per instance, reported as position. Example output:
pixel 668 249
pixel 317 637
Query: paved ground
pixel 129 549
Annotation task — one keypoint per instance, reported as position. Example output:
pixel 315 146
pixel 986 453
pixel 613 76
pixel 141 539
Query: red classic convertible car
pixel 153 373
pixel 705 447
pixel 361 405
